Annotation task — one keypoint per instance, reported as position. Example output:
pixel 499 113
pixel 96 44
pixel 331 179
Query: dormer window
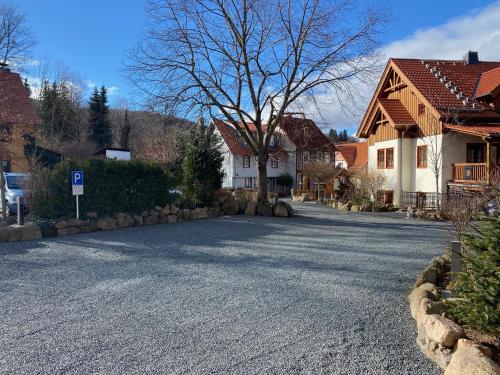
pixel 421 109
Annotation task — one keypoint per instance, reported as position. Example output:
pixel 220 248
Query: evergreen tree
pixel 99 125
pixel 332 134
pixel 125 136
pixel 27 86
pixel 201 171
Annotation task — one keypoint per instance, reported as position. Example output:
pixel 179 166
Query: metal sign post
pixel 77 186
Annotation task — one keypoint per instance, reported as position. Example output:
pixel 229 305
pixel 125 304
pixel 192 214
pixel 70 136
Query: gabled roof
pixel 489 83
pixel 447 87
pixel 305 135
pixel 478 130
pixel 355 154
pixel 16 107
pixel 396 112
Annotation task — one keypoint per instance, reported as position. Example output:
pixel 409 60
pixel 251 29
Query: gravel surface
pixel 322 293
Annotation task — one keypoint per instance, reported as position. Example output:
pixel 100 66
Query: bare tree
pixel 16 37
pixel 249 61
pixel 369 183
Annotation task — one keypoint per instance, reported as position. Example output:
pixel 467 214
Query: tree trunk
pixel 262 181
pixel 2 189
pixel 437 192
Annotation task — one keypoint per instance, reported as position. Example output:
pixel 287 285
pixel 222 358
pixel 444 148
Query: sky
pixel 91 38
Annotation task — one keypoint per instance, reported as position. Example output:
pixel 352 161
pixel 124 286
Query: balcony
pixel 470 173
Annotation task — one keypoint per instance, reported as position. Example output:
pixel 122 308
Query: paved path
pixel 324 292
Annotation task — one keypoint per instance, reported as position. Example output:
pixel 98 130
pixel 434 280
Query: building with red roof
pixel 296 142
pixel 17 119
pixel 352 156
pixel 434 125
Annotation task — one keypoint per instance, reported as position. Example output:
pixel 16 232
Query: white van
pixel 14 187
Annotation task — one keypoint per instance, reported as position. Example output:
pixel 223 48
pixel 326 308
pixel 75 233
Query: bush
pixel 477 288
pixel 111 186
pixel 285 180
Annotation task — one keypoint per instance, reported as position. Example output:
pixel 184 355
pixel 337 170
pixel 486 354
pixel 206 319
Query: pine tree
pixel 99 125
pixel 125 136
pixel 57 112
pixel 27 86
pixel 201 171
pixel 332 134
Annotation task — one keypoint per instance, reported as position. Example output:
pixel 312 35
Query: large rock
pixel 471 359
pixel 432 350
pixel 429 275
pixel 186 214
pixel 281 209
pixel 90 227
pixel 441 330
pixel 174 209
pixel 122 220
pixel 138 220
pixel 151 219
pixel 165 211
pixel 61 224
pixel 172 219
pixel 426 290
pixel 106 223
pixel 264 209
pixel 230 206
pixel 251 208
pixel 15 232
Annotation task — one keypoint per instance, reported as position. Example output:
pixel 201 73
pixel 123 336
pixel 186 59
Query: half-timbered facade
pixel 434 125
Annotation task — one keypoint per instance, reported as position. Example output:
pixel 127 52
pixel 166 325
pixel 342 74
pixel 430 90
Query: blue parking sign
pixel 77 178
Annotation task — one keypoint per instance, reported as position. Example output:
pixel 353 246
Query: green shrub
pixel 110 186
pixel 477 288
pixel 285 180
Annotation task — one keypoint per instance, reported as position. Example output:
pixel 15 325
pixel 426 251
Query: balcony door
pixel 476 152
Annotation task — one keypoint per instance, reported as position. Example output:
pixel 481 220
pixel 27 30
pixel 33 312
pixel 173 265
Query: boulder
pixel 91 227
pixel 281 209
pixel 264 209
pixel 72 230
pixel 230 206
pixel 122 221
pixel 429 307
pixel 165 211
pixel 15 232
pixel 426 290
pixel 432 350
pixel 441 330
pixel 138 220
pixel 91 215
pixel 429 275
pixel 151 219
pixel 203 213
pixel 158 208
pixel 106 223
pixel 172 219
pixel 211 211
pixel 251 208
pixel 174 209
pixel 471 359
pixel 223 197
pixel 61 224
pixel 73 222
pixel 145 213
pixel 186 214
pixel 61 232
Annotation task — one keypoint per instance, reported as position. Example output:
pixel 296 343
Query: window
pixel 422 157
pixel 248 182
pixel 305 157
pixel 246 161
pixel 299 180
pixel 381 159
pixel 327 158
pixel 385 158
pixel 274 163
pixel 476 152
pixel 421 109
pixel 389 158
pixel 319 156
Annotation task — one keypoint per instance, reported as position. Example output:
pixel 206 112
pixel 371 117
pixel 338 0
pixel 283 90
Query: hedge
pixel 110 186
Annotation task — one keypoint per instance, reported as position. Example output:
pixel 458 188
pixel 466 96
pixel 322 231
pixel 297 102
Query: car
pixel 14 187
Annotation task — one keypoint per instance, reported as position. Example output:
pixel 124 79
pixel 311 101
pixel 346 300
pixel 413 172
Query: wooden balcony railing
pixel 470 172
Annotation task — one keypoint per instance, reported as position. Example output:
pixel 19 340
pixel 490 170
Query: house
pixel 296 142
pixel 433 126
pixel 113 153
pixel 352 156
pixel 17 120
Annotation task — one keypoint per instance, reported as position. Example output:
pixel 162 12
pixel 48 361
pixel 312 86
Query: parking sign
pixel 77 182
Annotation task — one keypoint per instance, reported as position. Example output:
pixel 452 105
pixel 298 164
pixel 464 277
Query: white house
pixel 433 126
pixel 296 141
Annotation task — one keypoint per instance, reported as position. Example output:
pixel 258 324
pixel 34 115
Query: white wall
pixel 118 155
pixel 391 175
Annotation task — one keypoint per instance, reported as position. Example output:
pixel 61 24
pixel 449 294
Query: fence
pixel 429 201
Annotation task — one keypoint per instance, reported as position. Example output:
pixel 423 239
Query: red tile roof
pixel 305 135
pixel 355 154
pixel 16 107
pixel 464 76
pixel 232 138
pixel 479 130
pixel 396 111
pixel 488 82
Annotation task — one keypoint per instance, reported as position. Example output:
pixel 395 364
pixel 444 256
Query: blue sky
pixel 91 37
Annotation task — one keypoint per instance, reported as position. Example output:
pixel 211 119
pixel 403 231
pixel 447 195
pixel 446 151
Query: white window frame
pixel 246 161
pixel 328 158
pixel 274 163
pixel 248 182
pixel 305 157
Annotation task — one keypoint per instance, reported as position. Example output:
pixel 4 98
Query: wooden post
pixel 488 163
pixel 456 258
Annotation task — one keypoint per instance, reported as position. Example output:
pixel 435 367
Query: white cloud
pixel 112 90
pixel 478 30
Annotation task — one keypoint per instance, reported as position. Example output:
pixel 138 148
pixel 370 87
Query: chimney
pixel 4 68
pixel 471 57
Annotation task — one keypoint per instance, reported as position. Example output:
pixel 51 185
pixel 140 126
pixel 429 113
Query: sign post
pixel 77 186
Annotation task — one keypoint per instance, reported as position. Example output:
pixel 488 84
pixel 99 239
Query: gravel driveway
pixel 322 293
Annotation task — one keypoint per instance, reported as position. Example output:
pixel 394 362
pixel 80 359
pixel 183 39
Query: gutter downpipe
pixel 400 170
